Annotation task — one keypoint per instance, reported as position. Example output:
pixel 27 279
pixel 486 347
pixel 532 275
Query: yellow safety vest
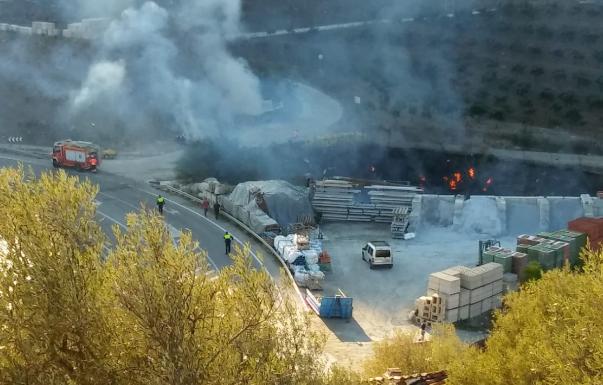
pixel 227 237
pixel 160 200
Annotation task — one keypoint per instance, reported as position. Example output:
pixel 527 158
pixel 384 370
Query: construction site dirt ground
pixel 383 298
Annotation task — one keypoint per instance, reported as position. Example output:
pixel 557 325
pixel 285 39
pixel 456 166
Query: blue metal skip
pixel 338 306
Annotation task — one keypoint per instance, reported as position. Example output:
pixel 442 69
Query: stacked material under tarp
pixel 468 292
pixel 345 199
pixel 303 263
pixel 285 203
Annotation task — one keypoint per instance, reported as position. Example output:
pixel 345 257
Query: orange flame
pixel 457 176
pixel 471 173
pixel 452 184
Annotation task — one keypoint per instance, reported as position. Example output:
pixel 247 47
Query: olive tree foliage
pixel 551 332
pixel 192 329
pixel 151 314
pixel 53 327
pixel 402 351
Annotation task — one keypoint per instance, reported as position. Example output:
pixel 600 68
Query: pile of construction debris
pixel 345 199
pixel 304 255
pixel 394 376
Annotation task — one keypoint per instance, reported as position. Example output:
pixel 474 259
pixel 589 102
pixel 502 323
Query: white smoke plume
pixel 144 67
pixel 104 79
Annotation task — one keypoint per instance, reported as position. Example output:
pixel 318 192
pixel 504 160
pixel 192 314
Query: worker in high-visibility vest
pixel 160 203
pixel 227 241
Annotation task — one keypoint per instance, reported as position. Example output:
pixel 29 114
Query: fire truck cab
pixel 76 154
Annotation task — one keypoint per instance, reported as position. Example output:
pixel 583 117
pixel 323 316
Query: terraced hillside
pixel 517 76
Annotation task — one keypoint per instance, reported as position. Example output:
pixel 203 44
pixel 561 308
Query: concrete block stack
pixel 520 262
pixel 449 288
pixel 431 308
pixel 468 292
pixel 552 249
pixel 512 261
pixel 545 256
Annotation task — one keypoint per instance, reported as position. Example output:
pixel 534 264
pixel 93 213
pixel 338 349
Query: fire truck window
pixel 56 149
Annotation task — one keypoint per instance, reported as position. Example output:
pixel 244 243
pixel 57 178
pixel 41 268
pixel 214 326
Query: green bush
pixel 532 272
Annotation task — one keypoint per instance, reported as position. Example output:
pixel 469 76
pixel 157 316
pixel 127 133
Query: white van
pixel 378 253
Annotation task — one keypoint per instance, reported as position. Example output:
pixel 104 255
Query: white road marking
pixel 97 202
pixel 111 219
pixel 171 211
pixel 119 200
pixel 25 160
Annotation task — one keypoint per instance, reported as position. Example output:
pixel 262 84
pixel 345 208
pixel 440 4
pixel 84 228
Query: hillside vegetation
pixel 519 76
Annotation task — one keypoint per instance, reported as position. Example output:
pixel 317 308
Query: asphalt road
pixel 119 196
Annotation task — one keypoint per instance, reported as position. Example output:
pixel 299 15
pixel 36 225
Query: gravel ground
pixel 383 298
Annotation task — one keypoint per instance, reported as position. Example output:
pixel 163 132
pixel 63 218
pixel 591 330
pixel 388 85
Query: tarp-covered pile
pixel 304 263
pixel 285 202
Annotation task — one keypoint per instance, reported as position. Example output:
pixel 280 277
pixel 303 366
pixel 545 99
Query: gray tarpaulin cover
pixel 286 202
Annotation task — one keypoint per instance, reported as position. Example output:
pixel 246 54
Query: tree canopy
pixel 550 332
pixel 149 314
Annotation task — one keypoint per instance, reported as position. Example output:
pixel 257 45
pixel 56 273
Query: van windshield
pixel 382 254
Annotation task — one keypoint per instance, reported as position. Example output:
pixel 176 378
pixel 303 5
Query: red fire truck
pixel 77 154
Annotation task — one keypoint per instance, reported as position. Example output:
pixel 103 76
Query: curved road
pixel 119 196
